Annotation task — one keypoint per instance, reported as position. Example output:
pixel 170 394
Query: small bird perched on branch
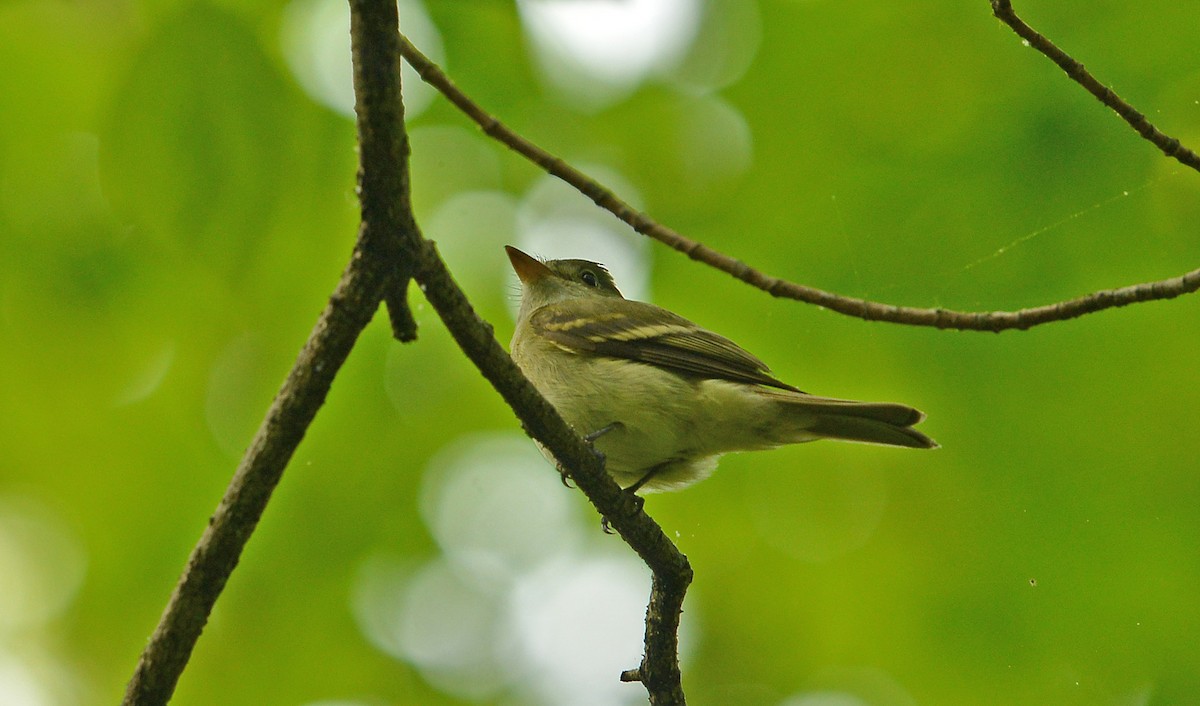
pixel 661 397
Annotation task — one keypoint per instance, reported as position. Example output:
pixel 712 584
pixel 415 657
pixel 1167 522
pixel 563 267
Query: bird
pixel 660 397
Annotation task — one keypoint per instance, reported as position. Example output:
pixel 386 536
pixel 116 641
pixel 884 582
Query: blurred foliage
pixel 175 208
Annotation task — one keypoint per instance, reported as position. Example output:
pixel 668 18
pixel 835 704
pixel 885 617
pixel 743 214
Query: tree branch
pixel 1170 146
pixel 217 553
pixel 383 180
pixel 851 306
pixel 386 214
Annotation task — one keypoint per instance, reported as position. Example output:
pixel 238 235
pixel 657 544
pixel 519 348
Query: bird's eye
pixel 588 277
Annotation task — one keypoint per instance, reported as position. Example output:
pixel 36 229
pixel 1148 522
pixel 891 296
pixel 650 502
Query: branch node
pixel 404 326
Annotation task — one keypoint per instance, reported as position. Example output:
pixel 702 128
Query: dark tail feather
pixel 872 431
pixel 870 422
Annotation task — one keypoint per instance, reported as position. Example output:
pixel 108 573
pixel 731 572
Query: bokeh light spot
pixel 154 368
pixel 494 505
pixel 471 229
pixel 519 602
pixel 725 46
pixel 41 570
pixel 579 624
pixel 315 36
pixel 41 564
pixel 435 620
pixel 715 143
pixel 596 51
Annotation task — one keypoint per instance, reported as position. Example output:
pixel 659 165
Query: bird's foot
pixel 591 438
pixel 638 502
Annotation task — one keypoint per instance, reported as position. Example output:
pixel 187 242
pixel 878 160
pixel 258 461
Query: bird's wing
pixel 623 328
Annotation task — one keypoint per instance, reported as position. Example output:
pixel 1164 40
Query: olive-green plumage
pixel 666 396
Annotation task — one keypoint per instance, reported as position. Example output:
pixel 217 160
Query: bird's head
pixel 555 280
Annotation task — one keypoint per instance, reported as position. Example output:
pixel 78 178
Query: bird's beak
pixel 529 269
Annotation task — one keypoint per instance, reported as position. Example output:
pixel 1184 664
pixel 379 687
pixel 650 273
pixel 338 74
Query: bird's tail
pixel 869 422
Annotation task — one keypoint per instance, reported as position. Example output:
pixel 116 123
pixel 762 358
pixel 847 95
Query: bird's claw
pixel 638 504
pixel 564 475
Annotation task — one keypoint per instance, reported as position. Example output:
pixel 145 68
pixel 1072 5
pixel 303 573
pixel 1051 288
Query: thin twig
pixel 1170 146
pixel 851 306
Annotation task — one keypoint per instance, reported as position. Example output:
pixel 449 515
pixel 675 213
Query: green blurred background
pixel 177 201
